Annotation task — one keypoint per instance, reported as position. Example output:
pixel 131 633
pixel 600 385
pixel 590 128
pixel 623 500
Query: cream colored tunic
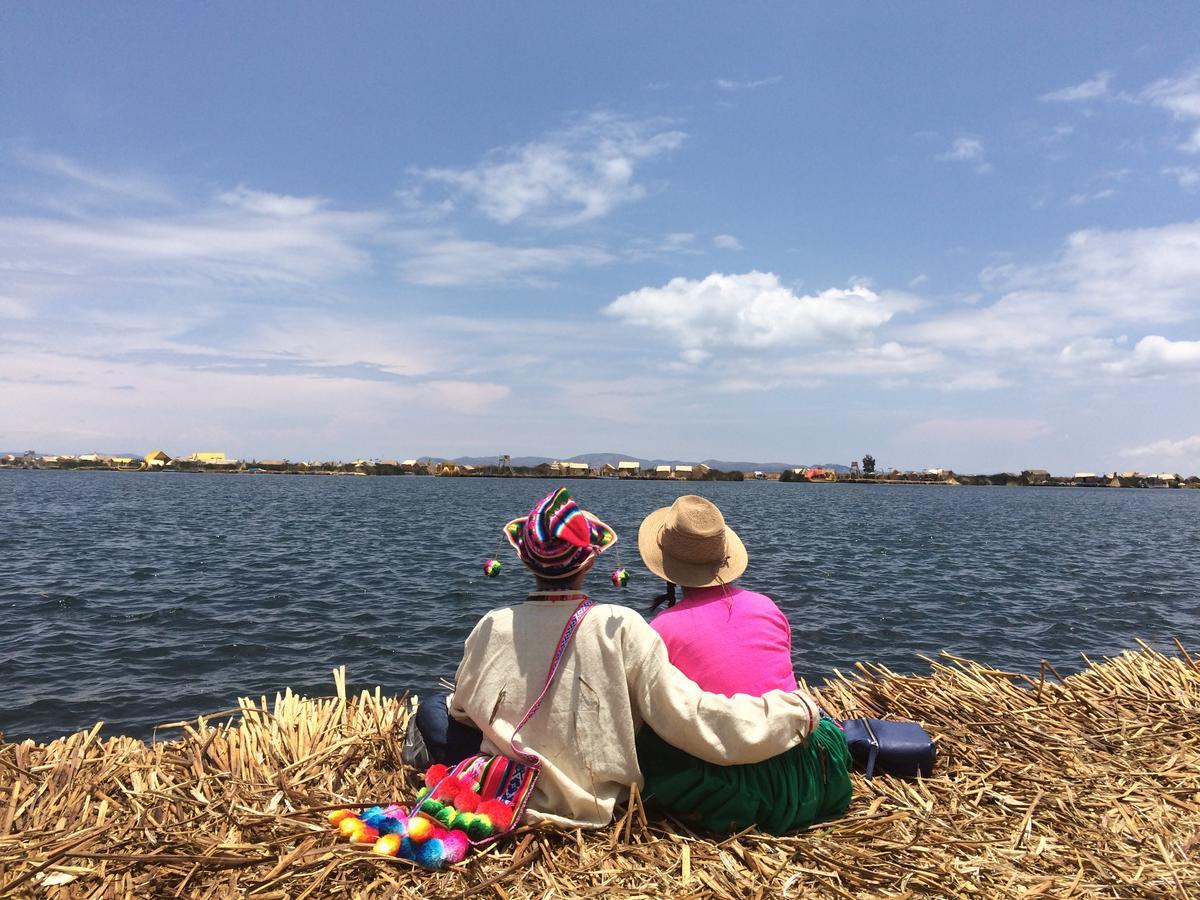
pixel 614 677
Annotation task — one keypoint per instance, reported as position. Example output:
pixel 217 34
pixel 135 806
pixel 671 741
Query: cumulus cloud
pixel 751 310
pixel 1152 356
pixel 573 175
pixel 1188 447
pixel 967 150
pixel 1092 89
pixel 726 242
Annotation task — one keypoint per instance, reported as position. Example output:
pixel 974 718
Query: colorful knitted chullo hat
pixel 557 538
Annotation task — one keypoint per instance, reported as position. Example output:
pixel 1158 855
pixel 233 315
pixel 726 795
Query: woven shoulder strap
pixel 522 753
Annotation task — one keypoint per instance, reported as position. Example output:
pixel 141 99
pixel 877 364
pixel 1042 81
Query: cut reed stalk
pixel 1081 786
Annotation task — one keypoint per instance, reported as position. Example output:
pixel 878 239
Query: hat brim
pixel 686 574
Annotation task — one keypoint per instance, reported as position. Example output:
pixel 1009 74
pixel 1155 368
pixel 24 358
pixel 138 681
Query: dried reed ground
pixel 1087 786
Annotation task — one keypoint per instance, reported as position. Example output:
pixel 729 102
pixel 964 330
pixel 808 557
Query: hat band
pixel 692 548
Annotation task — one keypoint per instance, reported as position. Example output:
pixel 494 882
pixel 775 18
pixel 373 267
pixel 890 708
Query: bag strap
pixel 873 755
pixel 522 753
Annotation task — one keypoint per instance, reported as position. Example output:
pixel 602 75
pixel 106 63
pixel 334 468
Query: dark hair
pixel 668 597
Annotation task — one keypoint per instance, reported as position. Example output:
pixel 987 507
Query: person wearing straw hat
pixel 730 641
pixel 614 675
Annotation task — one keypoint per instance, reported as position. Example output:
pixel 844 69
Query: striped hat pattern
pixel 558 538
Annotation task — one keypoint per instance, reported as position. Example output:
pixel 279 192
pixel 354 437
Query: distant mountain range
pixel 599 459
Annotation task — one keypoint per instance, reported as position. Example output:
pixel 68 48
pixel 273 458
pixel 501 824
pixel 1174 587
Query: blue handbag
pixel 896 748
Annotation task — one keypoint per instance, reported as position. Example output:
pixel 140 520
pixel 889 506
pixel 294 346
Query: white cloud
pixel 126 185
pixel 77 404
pixel 964 148
pixel 1100 282
pixel 889 358
pixel 450 261
pixel 918 280
pixel 1179 95
pixel 1059 133
pixel 968 150
pixel 572 175
pixel 276 205
pixel 248 241
pixel 1187 176
pixel 1092 89
pixel 727 84
pixel 11 308
pixel 752 310
pixel 726 242
pixel 1153 356
pixel 1135 274
pixel 1166 448
pixel 1090 196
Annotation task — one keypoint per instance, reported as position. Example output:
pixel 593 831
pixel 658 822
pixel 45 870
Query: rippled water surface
pixel 143 598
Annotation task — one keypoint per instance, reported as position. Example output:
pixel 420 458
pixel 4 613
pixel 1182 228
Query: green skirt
pixel 809 783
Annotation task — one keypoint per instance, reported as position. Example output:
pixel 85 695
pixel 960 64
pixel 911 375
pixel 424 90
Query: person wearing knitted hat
pixel 614 675
pixel 730 641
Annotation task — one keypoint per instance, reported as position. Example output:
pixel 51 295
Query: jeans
pixel 447 740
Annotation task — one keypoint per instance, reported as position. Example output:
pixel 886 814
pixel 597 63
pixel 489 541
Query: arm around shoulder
pixel 718 729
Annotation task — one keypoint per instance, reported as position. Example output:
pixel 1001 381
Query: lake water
pixel 143 598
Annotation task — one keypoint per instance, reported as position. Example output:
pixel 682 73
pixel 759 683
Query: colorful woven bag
pixel 474 802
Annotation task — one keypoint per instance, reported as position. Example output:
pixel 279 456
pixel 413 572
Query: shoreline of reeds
pixel 1080 786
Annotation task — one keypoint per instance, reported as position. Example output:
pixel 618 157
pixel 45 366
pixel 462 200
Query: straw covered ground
pixel 1084 786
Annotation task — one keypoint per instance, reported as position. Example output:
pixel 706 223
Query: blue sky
pixel 947 235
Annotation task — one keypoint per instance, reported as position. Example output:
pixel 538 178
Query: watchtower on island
pixel 505 464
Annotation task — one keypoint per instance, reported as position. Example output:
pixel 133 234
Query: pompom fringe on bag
pixel 472 803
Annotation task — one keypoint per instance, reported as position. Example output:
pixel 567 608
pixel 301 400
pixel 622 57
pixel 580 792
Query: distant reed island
pixel 591 466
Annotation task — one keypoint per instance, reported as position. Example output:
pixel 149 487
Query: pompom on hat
pixel 689 544
pixel 557 538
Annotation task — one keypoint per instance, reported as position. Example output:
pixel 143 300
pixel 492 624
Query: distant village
pixel 855 473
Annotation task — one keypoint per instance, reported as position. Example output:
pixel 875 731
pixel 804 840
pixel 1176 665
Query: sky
pixel 947 235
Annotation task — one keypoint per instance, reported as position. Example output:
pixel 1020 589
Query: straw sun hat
pixel 688 543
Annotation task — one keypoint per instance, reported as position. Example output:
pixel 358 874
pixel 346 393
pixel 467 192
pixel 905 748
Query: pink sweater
pixel 729 643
